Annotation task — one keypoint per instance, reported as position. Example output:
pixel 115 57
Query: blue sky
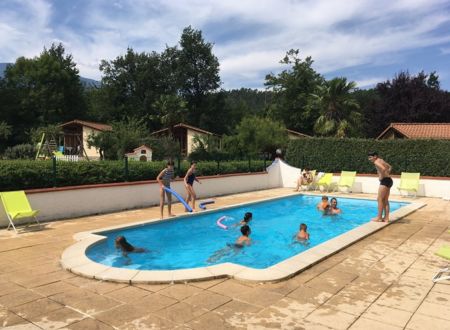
pixel 367 41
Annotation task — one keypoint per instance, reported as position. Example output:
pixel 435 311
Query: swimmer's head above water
pixel 245 230
pixel 247 217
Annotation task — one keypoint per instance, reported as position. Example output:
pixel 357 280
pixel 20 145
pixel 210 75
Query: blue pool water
pixel 190 242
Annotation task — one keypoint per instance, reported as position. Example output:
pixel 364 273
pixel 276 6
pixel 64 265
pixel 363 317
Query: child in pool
pixel 123 245
pixel 232 249
pixel 244 239
pixel 247 218
pixel 323 204
pixel 302 234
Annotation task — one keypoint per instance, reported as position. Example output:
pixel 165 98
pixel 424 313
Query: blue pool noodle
pixel 182 201
pixel 203 203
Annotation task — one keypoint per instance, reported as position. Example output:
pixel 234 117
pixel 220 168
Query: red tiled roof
pixel 97 126
pixel 185 126
pixel 420 130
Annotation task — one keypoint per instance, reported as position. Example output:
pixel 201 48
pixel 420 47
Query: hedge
pixel 429 157
pixel 29 174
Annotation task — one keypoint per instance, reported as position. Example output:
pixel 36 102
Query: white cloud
pixel 252 35
pixel 445 50
pixel 369 82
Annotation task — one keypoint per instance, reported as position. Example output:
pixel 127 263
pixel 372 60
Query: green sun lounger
pixel 325 181
pixel 444 273
pixel 409 182
pixel 346 180
pixel 17 207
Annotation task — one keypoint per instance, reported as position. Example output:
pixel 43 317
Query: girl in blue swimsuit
pixel 189 179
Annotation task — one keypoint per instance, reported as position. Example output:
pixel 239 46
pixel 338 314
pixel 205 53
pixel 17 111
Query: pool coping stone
pixel 74 258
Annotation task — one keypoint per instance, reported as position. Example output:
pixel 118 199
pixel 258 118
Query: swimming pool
pixel 190 242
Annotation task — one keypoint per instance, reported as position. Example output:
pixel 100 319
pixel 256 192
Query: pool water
pixel 198 242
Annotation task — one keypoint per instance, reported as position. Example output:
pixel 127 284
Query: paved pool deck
pixel 380 282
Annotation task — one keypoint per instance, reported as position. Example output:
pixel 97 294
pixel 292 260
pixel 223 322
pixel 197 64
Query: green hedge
pixel 29 174
pixel 429 157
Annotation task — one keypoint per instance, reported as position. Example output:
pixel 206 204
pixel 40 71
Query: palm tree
pixel 337 107
pixel 171 110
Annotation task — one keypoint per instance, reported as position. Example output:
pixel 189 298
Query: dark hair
pixel 324 197
pixel 170 163
pixel 123 243
pixel 248 216
pixel 303 226
pixel 334 198
pixel 245 230
pixel 193 162
pixel 372 154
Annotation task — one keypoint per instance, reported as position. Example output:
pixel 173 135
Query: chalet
pixel 76 134
pixel 436 131
pixel 185 134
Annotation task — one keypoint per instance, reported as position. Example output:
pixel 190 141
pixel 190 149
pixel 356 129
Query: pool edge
pixel 74 258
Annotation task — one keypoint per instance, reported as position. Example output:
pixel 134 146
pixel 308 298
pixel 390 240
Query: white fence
pixel 68 158
pixel 63 203
pixel 369 184
pixel 68 202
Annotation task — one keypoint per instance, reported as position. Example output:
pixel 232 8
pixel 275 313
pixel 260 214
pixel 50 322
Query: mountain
pixel 87 82
pixel 3 68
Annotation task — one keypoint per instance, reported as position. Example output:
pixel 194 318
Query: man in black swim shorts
pixel 384 172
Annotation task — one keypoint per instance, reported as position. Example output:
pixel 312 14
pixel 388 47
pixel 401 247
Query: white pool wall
pixel 72 202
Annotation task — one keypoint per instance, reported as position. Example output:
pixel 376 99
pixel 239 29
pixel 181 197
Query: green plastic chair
pixel 325 181
pixel 409 182
pixel 443 252
pixel 17 207
pixel 346 180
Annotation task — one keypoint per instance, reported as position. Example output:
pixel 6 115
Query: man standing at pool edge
pixel 384 172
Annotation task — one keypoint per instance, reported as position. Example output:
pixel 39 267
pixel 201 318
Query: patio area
pixel 380 282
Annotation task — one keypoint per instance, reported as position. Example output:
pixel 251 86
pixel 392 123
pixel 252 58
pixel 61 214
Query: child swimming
pixel 122 244
pixel 244 239
pixel 232 249
pixel 248 216
pixel 323 204
pixel 302 234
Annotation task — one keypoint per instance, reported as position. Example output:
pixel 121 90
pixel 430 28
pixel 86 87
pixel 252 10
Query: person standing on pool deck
pixel 164 178
pixel 189 179
pixel 384 172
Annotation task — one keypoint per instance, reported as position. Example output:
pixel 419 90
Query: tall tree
pixel 408 99
pixel 5 132
pixel 46 90
pixel 338 109
pixel 198 71
pixel 131 83
pixel 367 99
pixel 255 135
pixel 244 102
pixel 170 110
pixel 291 91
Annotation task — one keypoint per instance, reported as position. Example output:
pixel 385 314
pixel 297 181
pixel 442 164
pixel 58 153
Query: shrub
pixel 27 174
pixel 429 157
pixel 20 151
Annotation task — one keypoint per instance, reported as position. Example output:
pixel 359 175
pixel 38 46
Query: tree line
pixel 141 92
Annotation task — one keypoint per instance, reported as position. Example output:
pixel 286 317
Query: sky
pixel 367 41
